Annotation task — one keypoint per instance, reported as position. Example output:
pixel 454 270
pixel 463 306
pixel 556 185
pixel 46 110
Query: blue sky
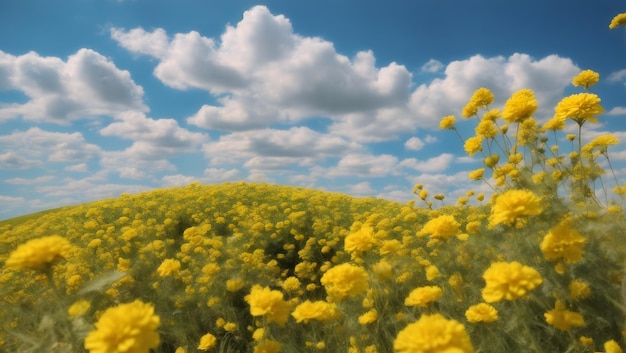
pixel 103 97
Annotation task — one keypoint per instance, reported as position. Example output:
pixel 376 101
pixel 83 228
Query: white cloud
pixel 178 180
pixel 364 166
pixel 216 175
pixel 24 181
pixel 548 77
pixel 434 164
pixel 153 138
pixel 270 74
pixel 139 41
pixel 86 85
pixel 43 145
pixel 617 76
pixel 362 188
pixel 295 145
pixel 432 66
pixel 617 111
pixel 414 144
pixel 81 167
pixel 13 160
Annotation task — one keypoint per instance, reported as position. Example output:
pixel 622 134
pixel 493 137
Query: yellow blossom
pixel 487 129
pixel 422 296
pixel 618 20
pixel 447 122
pixel 482 97
pixel 369 317
pixel 586 78
pixel 169 267
pixel 360 241
pixel 207 342
pixel 473 145
pixel 126 328
pixel 612 347
pixel 512 205
pixel 563 319
pixel 509 280
pixel 579 107
pixel 476 174
pixel 521 106
pixel 79 308
pixel 442 227
pixel 319 310
pixel 563 242
pixel 433 334
pixel 482 312
pixel 267 346
pixel 579 290
pixel 39 254
pixel 269 303
pixel 345 280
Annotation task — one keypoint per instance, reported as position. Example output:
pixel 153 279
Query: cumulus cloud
pixel 432 66
pixel 364 166
pixel 617 111
pixel 13 160
pixel 262 147
pixel 269 73
pixel 548 77
pixel 24 181
pixel 86 85
pixel 617 76
pixel 434 164
pixel 153 138
pixel 41 145
pixel 414 144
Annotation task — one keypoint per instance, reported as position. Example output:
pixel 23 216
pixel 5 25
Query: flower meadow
pixel 534 265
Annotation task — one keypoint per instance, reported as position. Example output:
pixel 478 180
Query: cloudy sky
pixel 100 97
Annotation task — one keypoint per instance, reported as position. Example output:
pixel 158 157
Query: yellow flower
pixel 469 110
pixel 612 347
pixel 360 241
pixel 563 319
pixel 487 129
pixel 207 342
pixel 345 280
pixel 447 122
pixel 511 205
pixel 554 124
pixel 521 106
pixel 433 334
pixel 619 20
pixel 442 227
pixel 39 254
pixel 579 107
pixel 267 346
pixel 79 308
pixel 319 310
pixel 432 272
pixel 482 97
pixel 482 312
pixel 579 290
pixel 368 317
pixel 269 303
pixel 586 78
pixel 563 243
pixel 126 328
pixel 509 280
pixel 492 115
pixel 601 143
pixel 291 284
pixel 169 267
pixel 422 296
pixel 473 145
pixel 383 270
pixel 476 174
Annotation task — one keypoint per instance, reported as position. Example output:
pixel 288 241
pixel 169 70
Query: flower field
pixel 536 265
